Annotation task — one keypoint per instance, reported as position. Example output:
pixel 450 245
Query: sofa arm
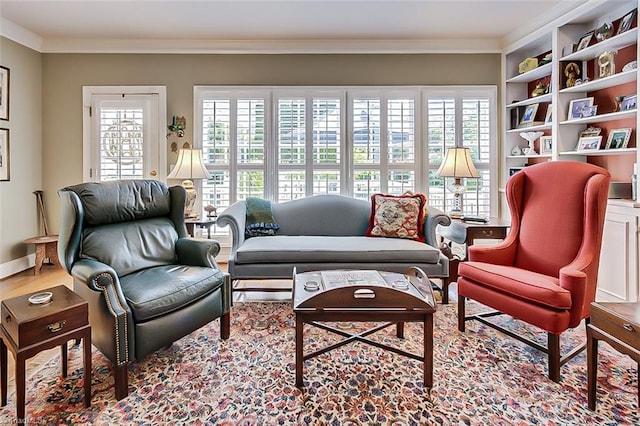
pixel 434 218
pixel 195 252
pixel 234 216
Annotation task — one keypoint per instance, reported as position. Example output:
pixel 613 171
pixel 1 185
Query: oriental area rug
pixel 481 377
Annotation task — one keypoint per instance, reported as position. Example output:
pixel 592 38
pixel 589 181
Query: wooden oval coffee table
pixel 364 296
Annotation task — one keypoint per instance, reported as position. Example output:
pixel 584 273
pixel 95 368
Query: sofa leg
pixel 121 381
pixel 553 345
pixel 225 326
pixel 461 313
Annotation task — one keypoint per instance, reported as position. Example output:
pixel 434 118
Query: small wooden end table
pixel 394 298
pixel 27 329
pixel 619 325
pixel 46 247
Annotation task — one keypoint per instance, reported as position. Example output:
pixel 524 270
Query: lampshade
pixel 189 166
pixel 458 164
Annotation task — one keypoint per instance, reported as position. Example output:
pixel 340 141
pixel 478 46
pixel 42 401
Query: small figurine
pixel 571 72
pixel 540 89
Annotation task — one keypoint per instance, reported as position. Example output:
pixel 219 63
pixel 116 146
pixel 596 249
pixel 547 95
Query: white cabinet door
pixel 618 273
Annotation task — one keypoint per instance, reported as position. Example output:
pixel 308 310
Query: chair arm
pixel 434 217
pixel 502 253
pixel 196 252
pixel 117 318
pixel 234 216
pixel 575 278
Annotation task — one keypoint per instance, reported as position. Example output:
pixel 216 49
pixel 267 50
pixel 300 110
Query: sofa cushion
pixel 259 221
pixel 319 249
pixel 397 216
pixel 158 291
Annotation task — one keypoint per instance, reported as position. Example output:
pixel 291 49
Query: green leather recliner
pixel 147 283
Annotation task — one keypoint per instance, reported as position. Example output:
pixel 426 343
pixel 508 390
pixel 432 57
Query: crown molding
pixel 20 35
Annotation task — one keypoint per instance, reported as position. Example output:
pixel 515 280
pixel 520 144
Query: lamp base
pixel 190 202
pixel 457 188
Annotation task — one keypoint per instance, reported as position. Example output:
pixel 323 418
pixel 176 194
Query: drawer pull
pixel 627 327
pixel 487 233
pixel 364 293
pixel 56 326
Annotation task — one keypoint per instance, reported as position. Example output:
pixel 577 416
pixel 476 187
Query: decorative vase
pixel 530 137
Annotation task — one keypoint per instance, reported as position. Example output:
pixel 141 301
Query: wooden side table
pixel 46 247
pixel 27 329
pixel 193 223
pixel 462 232
pixel 619 325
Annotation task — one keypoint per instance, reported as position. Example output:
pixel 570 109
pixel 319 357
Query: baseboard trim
pixel 17 265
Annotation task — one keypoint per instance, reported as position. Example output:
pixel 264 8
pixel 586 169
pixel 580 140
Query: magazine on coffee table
pixel 335 279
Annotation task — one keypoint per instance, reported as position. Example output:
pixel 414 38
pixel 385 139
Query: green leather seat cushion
pixel 157 291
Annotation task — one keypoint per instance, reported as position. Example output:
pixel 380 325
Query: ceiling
pixel 274 26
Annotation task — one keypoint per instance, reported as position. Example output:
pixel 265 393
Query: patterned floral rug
pixel 480 377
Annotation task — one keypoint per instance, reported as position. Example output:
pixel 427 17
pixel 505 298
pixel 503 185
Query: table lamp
pixel 457 164
pixel 189 167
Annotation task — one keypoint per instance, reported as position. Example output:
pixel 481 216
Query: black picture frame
pixel 4 93
pixel 626 21
pixel 584 41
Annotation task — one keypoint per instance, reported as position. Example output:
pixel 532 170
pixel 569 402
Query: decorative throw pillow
pixel 259 220
pixel 397 216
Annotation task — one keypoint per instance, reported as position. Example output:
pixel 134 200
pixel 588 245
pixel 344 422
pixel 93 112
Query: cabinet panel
pixel 618 273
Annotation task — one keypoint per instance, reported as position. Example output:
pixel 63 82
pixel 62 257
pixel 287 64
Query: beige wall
pixel 19 217
pixel 64 75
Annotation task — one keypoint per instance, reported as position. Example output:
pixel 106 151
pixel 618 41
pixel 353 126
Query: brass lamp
pixel 189 167
pixel 457 164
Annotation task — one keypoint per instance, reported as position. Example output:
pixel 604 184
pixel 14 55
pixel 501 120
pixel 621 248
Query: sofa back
pixel 330 215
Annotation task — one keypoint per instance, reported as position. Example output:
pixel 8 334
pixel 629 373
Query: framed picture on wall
pixel 4 154
pixel 4 93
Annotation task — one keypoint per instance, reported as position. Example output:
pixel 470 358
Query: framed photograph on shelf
pixel 618 138
pixel 514 170
pixel 546 145
pixel 589 111
pixel 4 154
pixel 589 143
pixel 584 41
pixel 577 105
pixel 628 102
pixel 4 93
pixel 528 115
pixel 626 21
pixel 549 115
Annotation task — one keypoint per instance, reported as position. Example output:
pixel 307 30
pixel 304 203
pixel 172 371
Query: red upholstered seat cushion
pixel 397 216
pixel 518 283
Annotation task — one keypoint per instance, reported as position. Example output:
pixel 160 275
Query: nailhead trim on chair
pixel 126 340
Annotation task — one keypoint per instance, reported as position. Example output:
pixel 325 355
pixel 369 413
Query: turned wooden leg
pixel 592 369
pixel 400 330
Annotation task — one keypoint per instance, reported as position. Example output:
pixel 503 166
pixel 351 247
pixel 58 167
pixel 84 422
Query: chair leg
pixel 122 381
pixel 553 345
pixel 445 290
pixel 461 313
pixel 225 326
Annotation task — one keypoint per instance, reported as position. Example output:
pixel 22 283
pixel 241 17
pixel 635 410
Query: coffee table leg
pixel 592 369
pixel 20 386
pixel 3 372
pixel 299 352
pixel 65 358
pixel 428 351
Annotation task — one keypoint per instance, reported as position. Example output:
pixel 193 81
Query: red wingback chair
pixel 545 272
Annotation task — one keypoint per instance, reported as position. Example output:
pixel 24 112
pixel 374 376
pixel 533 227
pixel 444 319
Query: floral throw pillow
pixel 397 216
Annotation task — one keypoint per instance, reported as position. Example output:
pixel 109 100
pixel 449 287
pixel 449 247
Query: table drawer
pixel 612 324
pixel 43 328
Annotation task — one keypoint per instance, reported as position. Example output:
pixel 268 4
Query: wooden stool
pixel 46 247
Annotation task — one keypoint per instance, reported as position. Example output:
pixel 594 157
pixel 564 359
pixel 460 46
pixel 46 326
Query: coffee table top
pixel 352 290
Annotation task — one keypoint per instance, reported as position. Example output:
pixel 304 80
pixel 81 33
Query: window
pixel 285 143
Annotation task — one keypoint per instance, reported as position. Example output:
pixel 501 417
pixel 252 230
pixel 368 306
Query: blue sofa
pixel 328 232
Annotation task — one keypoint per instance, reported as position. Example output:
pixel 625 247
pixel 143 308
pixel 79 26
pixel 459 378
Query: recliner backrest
pixel 550 205
pixel 128 224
